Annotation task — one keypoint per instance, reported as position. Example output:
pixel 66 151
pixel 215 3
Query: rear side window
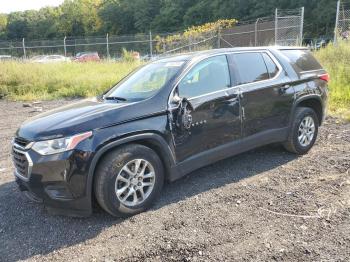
pixel 302 60
pixel 251 67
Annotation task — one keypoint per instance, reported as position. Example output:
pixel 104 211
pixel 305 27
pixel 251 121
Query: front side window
pixel 250 67
pixel 209 75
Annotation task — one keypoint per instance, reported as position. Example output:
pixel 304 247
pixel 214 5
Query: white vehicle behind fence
pixel 45 59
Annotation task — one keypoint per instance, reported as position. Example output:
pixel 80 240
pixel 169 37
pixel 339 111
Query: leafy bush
pixel 129 56
pixel 336 60
pixel 193 33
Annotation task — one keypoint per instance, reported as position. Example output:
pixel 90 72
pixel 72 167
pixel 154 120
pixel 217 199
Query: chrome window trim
pixel 16 148
pixel 183 74
pixel 311 71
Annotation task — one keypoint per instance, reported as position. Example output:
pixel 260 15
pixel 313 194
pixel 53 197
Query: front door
pixel 216 108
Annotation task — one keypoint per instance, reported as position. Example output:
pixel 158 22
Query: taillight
pixel 325 77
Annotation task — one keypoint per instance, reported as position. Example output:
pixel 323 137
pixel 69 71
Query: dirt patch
pixel 263 205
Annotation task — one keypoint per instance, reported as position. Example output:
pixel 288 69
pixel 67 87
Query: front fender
pixel 166 154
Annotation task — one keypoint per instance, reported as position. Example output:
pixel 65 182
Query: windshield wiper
pixel 115 98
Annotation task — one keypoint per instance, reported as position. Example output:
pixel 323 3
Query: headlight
pixel 59 145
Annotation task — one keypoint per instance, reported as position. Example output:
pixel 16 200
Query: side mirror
pixel 176 99
pixel 184 117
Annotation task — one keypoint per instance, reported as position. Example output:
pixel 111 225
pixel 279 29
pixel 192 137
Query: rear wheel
pixel 128 180
pixel 304 131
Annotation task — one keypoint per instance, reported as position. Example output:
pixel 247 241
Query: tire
pixel 293 144
pixel 111 176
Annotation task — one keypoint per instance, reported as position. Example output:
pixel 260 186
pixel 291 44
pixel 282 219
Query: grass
pixel 336 60
pixel 28 81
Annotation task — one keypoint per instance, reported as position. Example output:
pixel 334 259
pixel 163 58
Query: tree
pixel 80 17
pixel 96 17
pixel 3 25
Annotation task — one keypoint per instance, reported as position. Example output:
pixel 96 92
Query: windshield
pixel 145 82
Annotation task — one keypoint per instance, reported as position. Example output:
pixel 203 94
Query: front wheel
pixel 304 131
pixel 128 180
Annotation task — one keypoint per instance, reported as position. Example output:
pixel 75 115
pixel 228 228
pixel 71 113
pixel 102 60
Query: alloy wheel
pixel 135 182
pixel 306 131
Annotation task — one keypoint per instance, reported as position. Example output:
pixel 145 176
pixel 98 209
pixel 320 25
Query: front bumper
pixel 59 181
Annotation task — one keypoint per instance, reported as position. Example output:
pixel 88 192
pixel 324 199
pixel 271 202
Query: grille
pixel 21 141
pixel 21 163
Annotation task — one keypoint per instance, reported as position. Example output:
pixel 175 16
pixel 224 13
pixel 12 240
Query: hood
pixel 74 118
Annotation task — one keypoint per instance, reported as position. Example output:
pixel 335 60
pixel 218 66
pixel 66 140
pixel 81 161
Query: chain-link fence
pixel 342 24
pixel 289 27
pixel 260 32
pixel 284 28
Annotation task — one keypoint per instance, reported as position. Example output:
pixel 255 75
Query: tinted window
pixel 271 66
pixel 302 60
pixel 251 67
pixel 207 76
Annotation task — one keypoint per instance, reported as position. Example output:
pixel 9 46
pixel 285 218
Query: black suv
pixel 165 120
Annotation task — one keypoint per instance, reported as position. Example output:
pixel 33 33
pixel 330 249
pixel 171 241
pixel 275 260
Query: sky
pixel 7 6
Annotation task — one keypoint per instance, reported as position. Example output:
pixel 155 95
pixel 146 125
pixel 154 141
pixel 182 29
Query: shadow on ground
pixel 26 229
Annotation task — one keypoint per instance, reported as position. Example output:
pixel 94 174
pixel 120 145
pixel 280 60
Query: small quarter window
pixel 209 75
pixel 271 66
pixel 302 60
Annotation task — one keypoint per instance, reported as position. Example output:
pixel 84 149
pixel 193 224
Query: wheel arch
pixel 312 101
pixel 151 140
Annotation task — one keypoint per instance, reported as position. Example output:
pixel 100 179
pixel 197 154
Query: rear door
pixel 266 98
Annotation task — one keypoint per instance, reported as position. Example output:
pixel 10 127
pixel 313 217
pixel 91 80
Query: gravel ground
pixel 262 205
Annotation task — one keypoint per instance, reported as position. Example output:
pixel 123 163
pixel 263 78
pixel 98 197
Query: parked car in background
pixel 46 59
pixel 345 35
pixel 87 57
pixel 5 57
pixel 165 120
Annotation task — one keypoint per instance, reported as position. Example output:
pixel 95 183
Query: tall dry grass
pixel 28 81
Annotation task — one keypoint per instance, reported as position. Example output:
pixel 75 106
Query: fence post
pixel 219 37
pixel 302 25
pixel 107 46
pixel 256 31
pixel 336 23
pixel 64 45
pixel 150 44
pixel 24 49
pixel 276 26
